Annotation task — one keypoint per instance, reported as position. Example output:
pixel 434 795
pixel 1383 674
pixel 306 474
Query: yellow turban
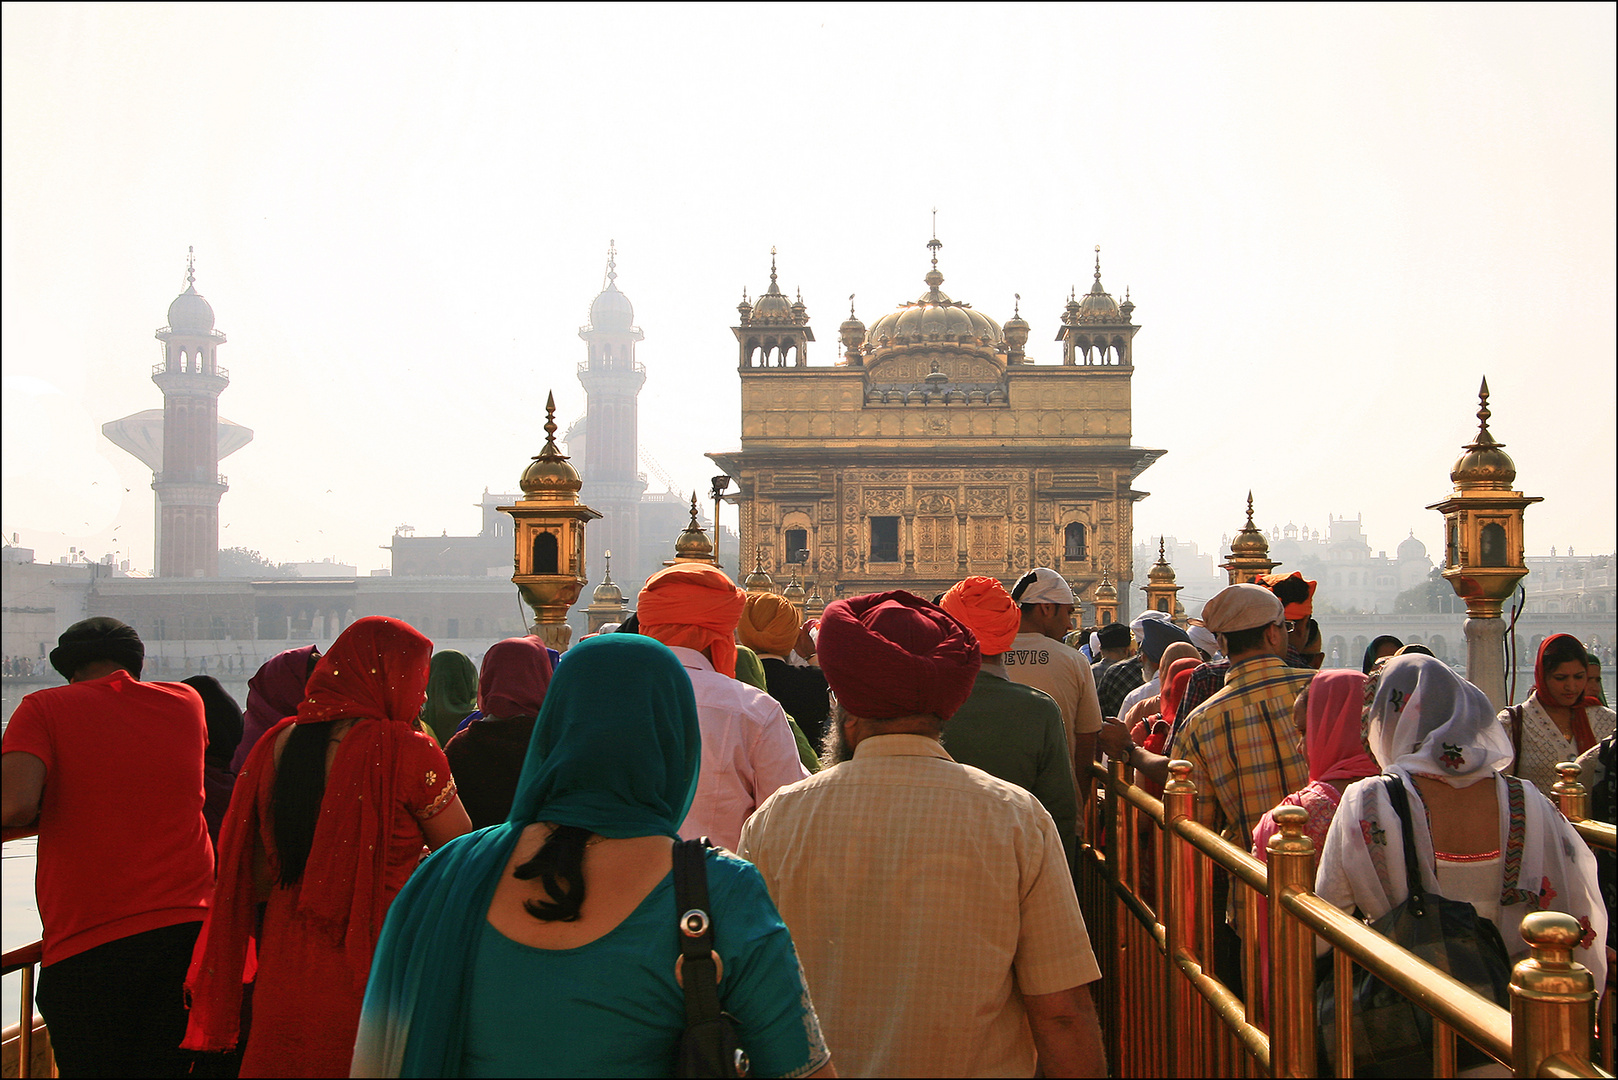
pixel 769 624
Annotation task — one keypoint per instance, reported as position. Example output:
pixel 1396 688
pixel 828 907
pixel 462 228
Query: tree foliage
pixel 243 562
pixel 1432 597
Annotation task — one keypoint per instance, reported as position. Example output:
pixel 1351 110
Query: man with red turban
pixel 1007 729
pixel 747 747
pixel 880 863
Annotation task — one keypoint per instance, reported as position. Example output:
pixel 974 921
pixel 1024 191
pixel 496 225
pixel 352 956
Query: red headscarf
pixel 984 606
pixel 1174 683
pixel 1579 720
pixel 1333 738
pixel 516 673
pixel 375 673
pixel 694 606
pixel 893 654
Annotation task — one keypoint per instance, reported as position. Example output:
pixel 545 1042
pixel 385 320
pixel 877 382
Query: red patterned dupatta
pixel 376 674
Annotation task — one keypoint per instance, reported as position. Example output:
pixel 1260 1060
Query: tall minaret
pixel 612 380
pixel 189 486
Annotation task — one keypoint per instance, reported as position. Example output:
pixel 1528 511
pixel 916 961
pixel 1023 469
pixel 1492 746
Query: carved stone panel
pixel 934 503
pixel 884 500
pixel 987 500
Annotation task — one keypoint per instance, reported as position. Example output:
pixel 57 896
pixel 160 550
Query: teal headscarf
pixel 616 750
pixel 452 693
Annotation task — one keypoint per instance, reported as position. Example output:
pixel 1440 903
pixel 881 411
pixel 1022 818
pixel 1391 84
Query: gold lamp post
pixel 1249 557
pixel 693 545
pixel 548 528
pixel 606 601
pixel 1106 600
pixel 1160 588
pixel 1483 549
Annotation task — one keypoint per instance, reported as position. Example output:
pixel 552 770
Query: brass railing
pixel 1147 882
pixel 25 960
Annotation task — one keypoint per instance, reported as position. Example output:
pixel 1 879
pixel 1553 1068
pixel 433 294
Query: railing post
pixel 1179 905
pixel 1292 961
pixel 1569 792
pixel 1552 995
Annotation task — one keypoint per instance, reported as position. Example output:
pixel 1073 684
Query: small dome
pixel 773 306
pixel 1160 573
pixel 608 592
pixel 759 580
pixel 1106 592
pixel 935 317
pixel 190 313
pixel 1250 542
pixel 1411 548
pixel 1098 306
pixel 612 310
pixel 1484 465
pixel 550 477
pixel 693 545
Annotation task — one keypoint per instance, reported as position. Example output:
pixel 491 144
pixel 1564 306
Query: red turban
pixel 983 604
pixel 893 654
pixel 695 606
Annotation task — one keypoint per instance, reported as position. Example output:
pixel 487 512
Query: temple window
pixel 884 539
pixel 1073 542
pixel 797 545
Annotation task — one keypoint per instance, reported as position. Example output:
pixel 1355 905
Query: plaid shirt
pixel 1245 757
pixel 1115 683
pixel 1206 680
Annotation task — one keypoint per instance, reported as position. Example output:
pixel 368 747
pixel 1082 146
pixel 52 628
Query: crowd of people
pixel 892 793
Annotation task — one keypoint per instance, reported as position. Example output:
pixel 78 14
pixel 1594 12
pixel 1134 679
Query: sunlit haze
pixel 1333 221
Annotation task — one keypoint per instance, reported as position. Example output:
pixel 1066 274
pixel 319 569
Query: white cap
pixel 1042 585
pixel 1203 638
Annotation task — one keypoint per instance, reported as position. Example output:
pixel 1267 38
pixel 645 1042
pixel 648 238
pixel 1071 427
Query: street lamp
pixel 720 484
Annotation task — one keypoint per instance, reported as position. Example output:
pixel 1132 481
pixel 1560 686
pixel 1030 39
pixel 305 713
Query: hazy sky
pixel 1332 220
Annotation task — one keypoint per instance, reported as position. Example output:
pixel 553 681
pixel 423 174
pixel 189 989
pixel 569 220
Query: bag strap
pixel 699 975
pixel 1401 806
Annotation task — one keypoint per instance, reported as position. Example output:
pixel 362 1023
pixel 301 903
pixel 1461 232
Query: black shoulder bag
pixel 710 1046
pixel 1393 1036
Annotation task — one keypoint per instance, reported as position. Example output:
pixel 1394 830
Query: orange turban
pixel 769 624
pixel 1296 594
pixel 984 606
pixel 695 606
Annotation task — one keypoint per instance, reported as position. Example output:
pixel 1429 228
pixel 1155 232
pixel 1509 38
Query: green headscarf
pixel 452 693
pixel 616 750
pixel 1595 689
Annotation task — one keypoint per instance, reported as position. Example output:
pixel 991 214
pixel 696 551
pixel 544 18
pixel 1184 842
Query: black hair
pixel 630 625
pixel 1291 590
pixel 300 785
pixel 559 866
pixel 1374 647
pixel 1565 650
pixel 1314 634
pixel 1242 641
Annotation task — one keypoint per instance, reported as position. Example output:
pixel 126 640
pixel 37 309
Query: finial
pixel 1016 305
pixel 800 294
pixel 935 223
pixel 1098 262
pixel 772 269
pixel 612 263
pixel 935 243
pixel 694 510
pixel 550 424
pixel 1161 540
pixel 744 294
pixel 850 305
pixel 1250 524
pixel 1483 405
pixel 191 266
pixel 1126 294
pixel 606 576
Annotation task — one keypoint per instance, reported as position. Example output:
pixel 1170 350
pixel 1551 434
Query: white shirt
pixel 747 752
pixel 1138 695
pixel 1062 672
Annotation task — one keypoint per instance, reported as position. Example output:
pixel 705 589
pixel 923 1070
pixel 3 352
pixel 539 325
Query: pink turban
pixel 893 654
pixel 983 604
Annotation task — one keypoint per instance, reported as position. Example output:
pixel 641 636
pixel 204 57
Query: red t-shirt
pixel 123 847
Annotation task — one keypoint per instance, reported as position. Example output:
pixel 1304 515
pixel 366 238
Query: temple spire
pixel 191 267
pixel 612 264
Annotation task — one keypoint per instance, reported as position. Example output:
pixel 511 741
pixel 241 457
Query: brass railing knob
pixel 1570 794
pixel 1179 779
pixel 1550 970
pixel 1290 839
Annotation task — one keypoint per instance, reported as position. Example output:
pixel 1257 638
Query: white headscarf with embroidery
pixel 1432 722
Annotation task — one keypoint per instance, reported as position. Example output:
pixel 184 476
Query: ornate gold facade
pixel 934 447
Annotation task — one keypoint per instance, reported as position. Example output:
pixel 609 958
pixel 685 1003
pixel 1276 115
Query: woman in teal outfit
pixel 546 946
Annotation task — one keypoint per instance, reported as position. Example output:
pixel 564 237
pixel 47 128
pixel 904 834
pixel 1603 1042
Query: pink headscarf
pixel 516 673
pixel 1332 739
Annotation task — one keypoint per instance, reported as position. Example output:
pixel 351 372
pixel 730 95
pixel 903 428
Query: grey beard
pixel 833 749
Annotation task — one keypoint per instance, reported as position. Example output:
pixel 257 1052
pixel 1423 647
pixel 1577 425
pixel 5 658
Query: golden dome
pixel 1484 464
pixel 693 543
pixel 1250 541
pixel 773 306
pixel 1161 572
pixel 549 478
pixel 794 591
pixel 1098 305
pixel 759 581
pixel 934 317
pixel 1106 592
pixel 608 591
